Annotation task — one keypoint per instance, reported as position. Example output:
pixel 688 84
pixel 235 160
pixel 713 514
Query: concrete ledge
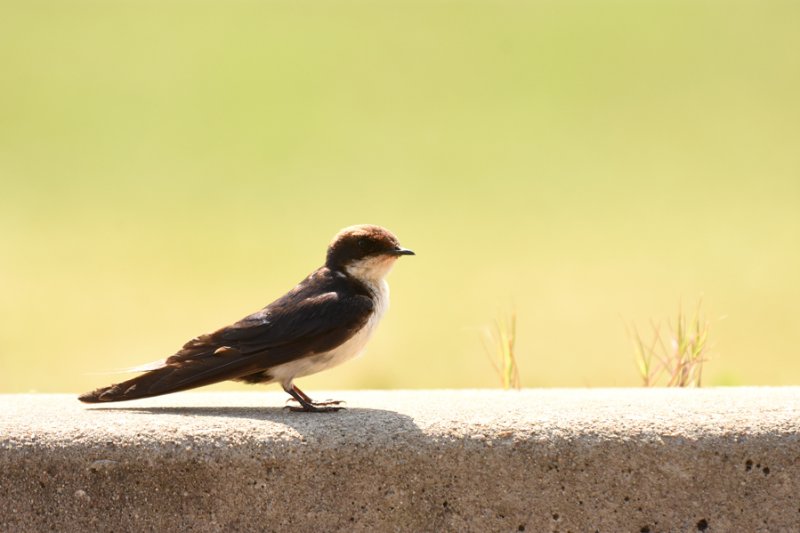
pixel 536 460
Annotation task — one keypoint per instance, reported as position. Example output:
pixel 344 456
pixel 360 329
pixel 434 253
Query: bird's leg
pixel 307 404
pixel 302 394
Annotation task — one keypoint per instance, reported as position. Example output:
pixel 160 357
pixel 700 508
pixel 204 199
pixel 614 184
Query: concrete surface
pixel 536 460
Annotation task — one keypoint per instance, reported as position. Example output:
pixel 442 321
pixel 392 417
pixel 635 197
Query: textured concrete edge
pixel 725 459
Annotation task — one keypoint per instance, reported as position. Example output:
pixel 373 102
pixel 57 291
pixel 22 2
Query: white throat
pixel 371 271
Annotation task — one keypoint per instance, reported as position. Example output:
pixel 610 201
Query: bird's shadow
pixel 306 424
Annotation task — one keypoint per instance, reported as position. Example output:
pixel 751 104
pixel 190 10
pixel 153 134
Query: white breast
pixel 353 347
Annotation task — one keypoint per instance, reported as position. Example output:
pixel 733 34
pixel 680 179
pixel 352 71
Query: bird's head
pixel 366 252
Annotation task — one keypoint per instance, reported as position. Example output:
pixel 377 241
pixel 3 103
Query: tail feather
pixel 175 377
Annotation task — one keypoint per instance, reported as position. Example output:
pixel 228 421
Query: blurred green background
pixel 170 166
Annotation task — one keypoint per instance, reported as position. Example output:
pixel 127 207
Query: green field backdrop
pixel 167 167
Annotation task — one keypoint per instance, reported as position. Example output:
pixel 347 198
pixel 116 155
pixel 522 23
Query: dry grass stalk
pixel 499 343
pixel 678 362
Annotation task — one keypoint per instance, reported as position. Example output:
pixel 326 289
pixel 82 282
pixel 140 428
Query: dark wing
pixel 316 316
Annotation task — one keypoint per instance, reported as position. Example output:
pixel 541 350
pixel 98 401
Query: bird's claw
pixel 327 406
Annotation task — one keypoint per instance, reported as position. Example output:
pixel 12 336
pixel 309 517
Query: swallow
pixel 322 322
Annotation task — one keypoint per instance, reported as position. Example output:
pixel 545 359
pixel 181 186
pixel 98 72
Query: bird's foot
pixel 330 402
pixel 328 406
pixel 307 404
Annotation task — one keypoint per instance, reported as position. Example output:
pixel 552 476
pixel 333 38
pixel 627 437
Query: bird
pixel 325 320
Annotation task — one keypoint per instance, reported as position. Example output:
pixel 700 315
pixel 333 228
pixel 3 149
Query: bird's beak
pixel 403 251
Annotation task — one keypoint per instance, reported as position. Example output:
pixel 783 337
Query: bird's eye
pixel 362 243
